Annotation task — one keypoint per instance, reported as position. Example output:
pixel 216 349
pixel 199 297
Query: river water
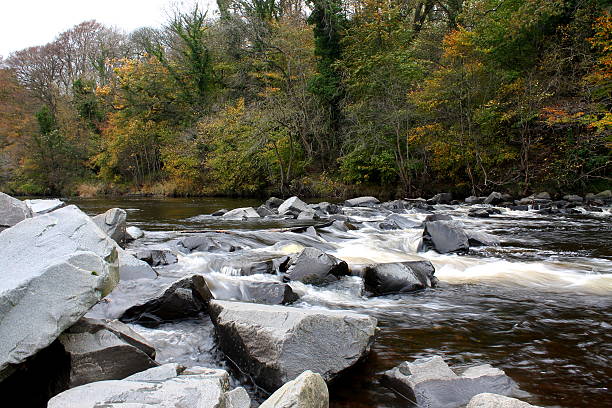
pixel 538 305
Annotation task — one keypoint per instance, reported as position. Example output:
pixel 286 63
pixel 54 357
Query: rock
pixel 315 267
pixel 592 209
pixel 209 244
pixel 478 213
pixel 308 390
pixel 242 213
pixel 247 290
pixel 429 382
pixel 273 203
pixel 275 344
pixel 159 373
pixel 203 388
pixel 475 200
pixel 131 268
pixel 264 211
pixel 542 196
pixel 478 238
pixel 573 198
pixel 39 207
pixel 519 207
pixel 112 223
pixel 589 197
pixel 307 215
pixel 494 198
pixel 438 217
pixel 292 206
pixel 250 264
pixel 55 267
pixel 185 298
pixel 157 257
pixel 220 212
pixel 12 211
pixel 488 400
pixel 238 398
pixel 329 208
pixel 444 237
pixel 399 277
pixel 133 233
pixel 105 350
pixel 361 202
pixel 402 222
pixel 441 198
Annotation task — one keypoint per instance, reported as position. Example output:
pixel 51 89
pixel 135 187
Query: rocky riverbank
pixel 72 297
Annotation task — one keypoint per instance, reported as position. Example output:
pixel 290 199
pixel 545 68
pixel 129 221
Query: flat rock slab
pixel 430 383
pixel 196 387
pixel 55 267
pixel 488 400
pixel 275 344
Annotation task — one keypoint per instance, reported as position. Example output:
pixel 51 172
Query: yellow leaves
pixel 459 44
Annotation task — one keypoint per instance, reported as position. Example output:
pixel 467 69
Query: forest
pixel 322 98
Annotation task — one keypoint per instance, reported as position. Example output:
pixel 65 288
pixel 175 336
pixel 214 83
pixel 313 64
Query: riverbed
pixel 537 305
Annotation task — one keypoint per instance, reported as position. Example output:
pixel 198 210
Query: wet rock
pixel 544 195
pixel 488 400
pixel 399 277
pixel 133 233
pixel 12 211
pixel 112 223
pixel 441 198
pixel 273 203
pixel 573 198
pixel 402 222
pixel 105 350
pixel 315 267
pixel 131 268
pixel 159 373
pixel 475 200
pixel 205 243
pixel 185 298
pixel 250 264
pixel 307 215
pixel 361 202
pixel 429 382
pixel 308 390
pixel 478 213
pixel 604 195
pixel 247 290
pixel 220 212
pixel 157 257
pixel 204 388
pixel 592 209
pixel 494 198
pixel 444 237
pixel 292 206
pixel 395 205
pixel 438 217
pixel 39 206
pixel 519 207
pixel 478 238
pixel 55 267
pixel 242 213
pixel 275 344
pixel 264 211
pixel 329 208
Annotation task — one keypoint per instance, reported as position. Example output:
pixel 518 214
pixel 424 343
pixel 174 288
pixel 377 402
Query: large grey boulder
pixel 112 222
pixel 195 387
pixel 444 237
pixel 399 277
pixel 184 298
pixel 55 267
pixel 43 206
pixel 292 206
pixel 12 211
pixel 315 267
pixel 275 344
pixel 308 390
pixel 361 201
pixel 429 382
pixel 488 400
pixel 242 213
pixel 105 350
pixel 249 290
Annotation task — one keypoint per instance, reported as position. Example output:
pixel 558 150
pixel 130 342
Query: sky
pixel 25 23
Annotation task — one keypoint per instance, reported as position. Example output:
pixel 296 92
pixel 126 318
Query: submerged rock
pixel 488 400
pixel 55 267
pixel 444 237
pixel 157 257
pixel 205 243
pixel 250 263
pixel 438 217
pixel 112 223
pixel 478 213
pixel 186 297
pixel 196 387
pixel 12 211
pixel 308 390
pixel 402 222
pixel 361 202
pixel 315 267
pixel 247 290
pixel 292 206
pixel 429 382
pixel 399 277
pixel 275 344
pixel 105 350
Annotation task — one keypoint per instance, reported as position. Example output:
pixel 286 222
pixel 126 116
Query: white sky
pixel 25 23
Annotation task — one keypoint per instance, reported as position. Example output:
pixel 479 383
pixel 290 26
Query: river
pixel 538 305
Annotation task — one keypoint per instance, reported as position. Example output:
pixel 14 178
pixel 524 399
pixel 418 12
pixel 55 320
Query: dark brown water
pixel 538 306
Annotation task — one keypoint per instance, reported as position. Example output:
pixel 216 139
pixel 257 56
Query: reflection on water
pixel 537 306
